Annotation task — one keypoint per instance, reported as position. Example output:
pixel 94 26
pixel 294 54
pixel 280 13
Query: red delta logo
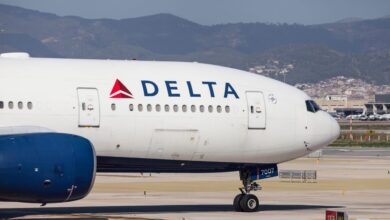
pixel 119 91
pixel 176 89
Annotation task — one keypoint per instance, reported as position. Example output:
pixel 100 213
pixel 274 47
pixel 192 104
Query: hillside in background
pixel 353 48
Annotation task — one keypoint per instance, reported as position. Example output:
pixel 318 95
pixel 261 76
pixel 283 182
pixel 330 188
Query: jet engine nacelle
pixel 45 167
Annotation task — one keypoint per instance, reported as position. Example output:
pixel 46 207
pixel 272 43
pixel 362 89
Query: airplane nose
pixel 334 129
pixel 325 130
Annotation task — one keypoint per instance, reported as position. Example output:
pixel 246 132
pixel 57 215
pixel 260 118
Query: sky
pixel 210 12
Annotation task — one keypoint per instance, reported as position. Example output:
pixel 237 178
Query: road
pixel 356 152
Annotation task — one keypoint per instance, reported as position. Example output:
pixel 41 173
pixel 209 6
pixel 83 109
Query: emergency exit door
pixel 256 110
pixel 89 111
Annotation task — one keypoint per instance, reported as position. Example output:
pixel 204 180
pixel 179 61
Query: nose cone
pixel 330 130
pixel 334 130
pixel 325 130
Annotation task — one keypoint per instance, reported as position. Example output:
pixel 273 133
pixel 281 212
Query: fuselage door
pixel 256 110
pixel 89 111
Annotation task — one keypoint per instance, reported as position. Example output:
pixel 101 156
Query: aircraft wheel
pixel 236 203
pixel 249 203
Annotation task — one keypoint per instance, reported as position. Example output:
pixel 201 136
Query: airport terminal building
pixel 381 105
pixel 342 105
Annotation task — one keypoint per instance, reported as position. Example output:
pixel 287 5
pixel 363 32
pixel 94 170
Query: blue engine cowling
pixel 45 167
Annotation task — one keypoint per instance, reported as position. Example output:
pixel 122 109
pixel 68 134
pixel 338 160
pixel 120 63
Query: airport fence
pixel 365 139
pixel 300 176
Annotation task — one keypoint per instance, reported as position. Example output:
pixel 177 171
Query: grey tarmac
pixel 358 183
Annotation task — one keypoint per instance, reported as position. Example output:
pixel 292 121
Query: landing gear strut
pixel 246 202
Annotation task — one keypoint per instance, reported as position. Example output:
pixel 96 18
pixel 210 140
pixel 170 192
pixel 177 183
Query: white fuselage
pixel 252 119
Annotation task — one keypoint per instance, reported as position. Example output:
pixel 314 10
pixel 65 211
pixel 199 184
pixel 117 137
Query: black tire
pixel 249 203
pixel 236 203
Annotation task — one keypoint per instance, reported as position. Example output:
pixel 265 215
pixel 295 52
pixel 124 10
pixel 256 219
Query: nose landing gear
pixel 246 202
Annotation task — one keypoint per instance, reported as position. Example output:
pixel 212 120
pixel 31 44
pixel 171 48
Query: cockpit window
pixel 312 106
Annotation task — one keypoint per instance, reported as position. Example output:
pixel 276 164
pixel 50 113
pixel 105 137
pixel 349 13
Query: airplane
pixel 63 120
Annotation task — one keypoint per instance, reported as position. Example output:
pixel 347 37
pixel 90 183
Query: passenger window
pixel 219 109
pixel 193 108
pixel 166 107
pixel 131 107
pixel 149 107
pixel 10 105
pixel 1 105
pixel 210 108
pixel 227 109
pixel 184 108
pixel 158 108
pixel 29 105
pixel 201 108
pixel 113 106
pixel 20 105
pixel 140 107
